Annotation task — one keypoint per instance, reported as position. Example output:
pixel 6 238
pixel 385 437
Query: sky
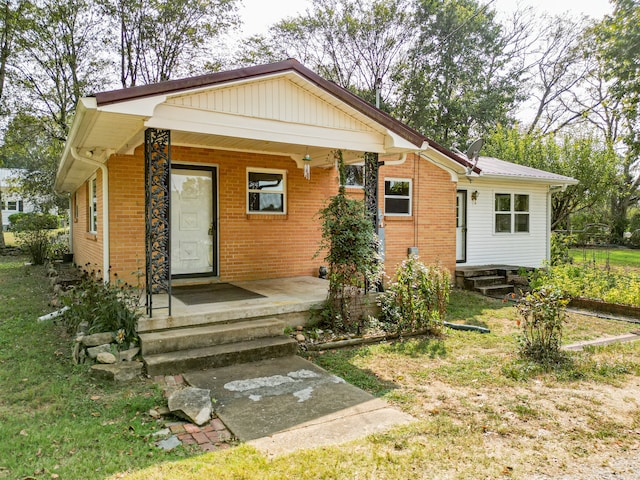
pixel 258 15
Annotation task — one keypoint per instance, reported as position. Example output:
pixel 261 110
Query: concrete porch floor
pixel 289 298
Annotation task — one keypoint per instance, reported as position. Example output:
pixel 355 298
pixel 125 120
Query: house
pixel 240 206
pixel 12 202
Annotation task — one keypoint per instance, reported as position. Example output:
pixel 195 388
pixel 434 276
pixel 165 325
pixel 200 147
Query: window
pixel 93 206
pixel 511 213
pixel 354 175
pixel 397 196
pixel 75 207
pixel 266 191
pixel 12 205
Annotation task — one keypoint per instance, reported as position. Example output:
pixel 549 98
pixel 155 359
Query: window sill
pixel 91 236
pixel 398 218
pixel 267 216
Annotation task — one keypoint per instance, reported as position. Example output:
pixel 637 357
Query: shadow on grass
pixel 341 363
pixel 470 308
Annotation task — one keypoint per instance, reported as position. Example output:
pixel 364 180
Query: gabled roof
pixel 266 115
pixel 493 167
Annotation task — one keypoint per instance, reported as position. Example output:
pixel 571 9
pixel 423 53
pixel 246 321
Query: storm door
pixel 461 226
pixel 193 221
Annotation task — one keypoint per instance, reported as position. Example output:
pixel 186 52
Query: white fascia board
pixel 215 123
pixel 396 144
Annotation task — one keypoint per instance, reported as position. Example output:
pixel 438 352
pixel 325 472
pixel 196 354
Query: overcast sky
pixel 258 15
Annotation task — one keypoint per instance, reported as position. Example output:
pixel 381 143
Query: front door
pixel 193 221
pixel 461 226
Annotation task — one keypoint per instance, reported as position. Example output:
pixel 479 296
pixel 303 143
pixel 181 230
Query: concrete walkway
pixel 285 404
pixel 599 342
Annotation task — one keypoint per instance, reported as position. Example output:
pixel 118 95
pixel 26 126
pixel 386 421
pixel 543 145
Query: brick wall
pixel 87 247
pixel 268 246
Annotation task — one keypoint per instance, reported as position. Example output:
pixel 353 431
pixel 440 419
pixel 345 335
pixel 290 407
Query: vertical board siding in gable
pixel 275 99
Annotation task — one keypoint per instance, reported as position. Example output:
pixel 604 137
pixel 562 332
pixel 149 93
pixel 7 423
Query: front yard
pixel 481 412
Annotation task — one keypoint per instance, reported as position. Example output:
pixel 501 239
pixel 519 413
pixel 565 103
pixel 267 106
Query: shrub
pixel 560 244
pixel 417 300
pixel 46 220
pixel 541 320
pixel 106 307
pixel 350 243
pixel 32 234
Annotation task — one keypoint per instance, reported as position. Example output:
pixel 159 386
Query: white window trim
pixel 410 197
pixel 284 190
pixel 93 207
pixel 512 212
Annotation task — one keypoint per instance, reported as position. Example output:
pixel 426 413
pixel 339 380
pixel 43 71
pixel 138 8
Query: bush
pixel 417 300
pixel 541 315
pixel 106 307
pixel 350 243
pixel 560 244
pixel 45 220
pixel 32 235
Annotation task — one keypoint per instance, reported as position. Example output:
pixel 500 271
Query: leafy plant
pixel 105 306
pixel 350 243
pixel 59 245
pixel 32 234
pixel 560 248
pixel 541 320
pixel 417 300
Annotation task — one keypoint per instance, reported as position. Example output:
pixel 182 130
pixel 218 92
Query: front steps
pixel 491 281
pixel 218 343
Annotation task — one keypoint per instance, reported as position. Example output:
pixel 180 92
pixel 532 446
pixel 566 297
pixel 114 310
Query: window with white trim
pixel 354 175
pixel 93 205
pixel 266 191
pixel 397 196
pixel 511 211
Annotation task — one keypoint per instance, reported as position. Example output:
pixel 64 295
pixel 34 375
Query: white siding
pixel 485 247
pixel 274 99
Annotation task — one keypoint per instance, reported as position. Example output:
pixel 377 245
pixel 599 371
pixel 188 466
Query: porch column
pixel 371 186
pixel 157 157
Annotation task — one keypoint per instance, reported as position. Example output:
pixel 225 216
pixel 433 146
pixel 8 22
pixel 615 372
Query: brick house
pixel 204 178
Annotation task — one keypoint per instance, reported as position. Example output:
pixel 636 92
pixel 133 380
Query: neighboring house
pixel 12 202
pixel 237 206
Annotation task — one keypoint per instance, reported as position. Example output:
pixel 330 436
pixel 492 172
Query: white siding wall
pixel 485 247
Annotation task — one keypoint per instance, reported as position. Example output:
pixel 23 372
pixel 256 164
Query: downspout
pixel 106 260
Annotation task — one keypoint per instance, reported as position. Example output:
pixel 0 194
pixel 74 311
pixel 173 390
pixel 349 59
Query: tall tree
pixel 618 38
pixel 586 158
pixel 460 81
pixel 351 42
pixel 160 38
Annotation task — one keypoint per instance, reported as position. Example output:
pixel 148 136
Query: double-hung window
pixel 93 205
pixel 266 191
pixel 397 196
pixel 511 213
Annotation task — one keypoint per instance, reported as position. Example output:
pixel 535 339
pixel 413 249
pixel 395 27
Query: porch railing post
pixel 157 156
pixel 371 170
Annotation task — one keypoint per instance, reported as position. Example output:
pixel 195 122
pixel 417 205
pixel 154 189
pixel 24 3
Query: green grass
pixel 617 257
pixel 49 423
pixel 466 390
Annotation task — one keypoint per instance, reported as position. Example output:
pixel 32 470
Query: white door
pixel 193 232
pixel 461 226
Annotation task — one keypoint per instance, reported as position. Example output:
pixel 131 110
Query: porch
pixel 490 280
pixel 215 333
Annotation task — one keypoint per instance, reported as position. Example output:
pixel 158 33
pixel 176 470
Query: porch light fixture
pixel 474 196
pixel 307 166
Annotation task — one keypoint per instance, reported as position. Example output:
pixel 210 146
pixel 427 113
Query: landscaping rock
pixel 94 351
pixel 97 339
pixel 193 404
pixel 128 355
pixel 106 358
pixel 82 329
pixel 118 372
pixel 300 337
pixel 169 444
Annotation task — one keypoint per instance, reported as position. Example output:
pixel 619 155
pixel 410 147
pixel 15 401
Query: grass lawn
pixel 481 413
pixel 623 258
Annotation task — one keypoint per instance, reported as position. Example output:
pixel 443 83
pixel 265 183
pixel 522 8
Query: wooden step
pixel 496 290
pixel 484 281
pixel 173 363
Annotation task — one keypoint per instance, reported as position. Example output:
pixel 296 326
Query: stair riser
pixel 495 292
pixel 473 283
pixel 186 342
pixel 222 360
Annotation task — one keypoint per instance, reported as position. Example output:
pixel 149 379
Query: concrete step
pixel 476 272
pixel 209 335
pixel 173 363
pixel 495 290
pixel 290 313
pixel 484 281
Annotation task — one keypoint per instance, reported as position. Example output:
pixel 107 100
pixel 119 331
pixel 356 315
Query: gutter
pixel 452 173
pixel 105 209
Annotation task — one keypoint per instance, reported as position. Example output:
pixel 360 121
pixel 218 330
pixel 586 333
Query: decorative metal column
pixel 371 186
pixel 157 156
